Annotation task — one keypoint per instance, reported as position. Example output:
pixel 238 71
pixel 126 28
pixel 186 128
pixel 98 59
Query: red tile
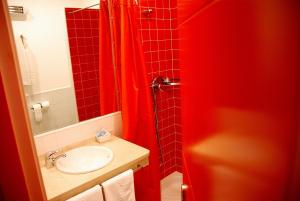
pixel 83 59
pixel 95 32
pixel 73 51
pixel 78 85
pixel 85 14
pixel 70 24
pixel 78 15
pixel 94 24
pixel 78 23
pixel 85 72
pixel 94 14
pixel 79 95
pixel 76 77
pixel 80 33
pixel 68 14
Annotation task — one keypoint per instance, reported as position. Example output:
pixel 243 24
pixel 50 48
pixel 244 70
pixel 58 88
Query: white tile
pixel 62 111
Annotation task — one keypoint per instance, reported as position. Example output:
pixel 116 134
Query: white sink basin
pixel 84 159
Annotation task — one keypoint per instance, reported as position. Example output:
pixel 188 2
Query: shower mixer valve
pixel 159 83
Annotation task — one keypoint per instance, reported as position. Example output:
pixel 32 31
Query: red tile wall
pixel 83 34
pixel 160 45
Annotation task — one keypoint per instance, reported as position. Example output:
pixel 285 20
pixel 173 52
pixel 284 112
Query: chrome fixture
pixel 184 188
pixel 51 157
pixel 97 4
pixel 147 12
pixel 154 90
pixel 80 9
pixel 161 83
pixel 23 41
pixel 16 9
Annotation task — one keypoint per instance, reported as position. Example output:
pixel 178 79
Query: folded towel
pixel 120 187
pixel 93 194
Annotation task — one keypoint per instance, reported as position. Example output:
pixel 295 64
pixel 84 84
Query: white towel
pixel 120 187
pixel 93 194
pixel 24 60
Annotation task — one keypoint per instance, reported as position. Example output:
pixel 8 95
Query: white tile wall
pixel 62 111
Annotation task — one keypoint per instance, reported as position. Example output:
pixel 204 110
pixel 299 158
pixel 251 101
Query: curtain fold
pixel 136 104
pixel 137 108
pixel 108 101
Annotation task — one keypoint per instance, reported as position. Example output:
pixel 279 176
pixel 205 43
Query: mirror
pixel 58 52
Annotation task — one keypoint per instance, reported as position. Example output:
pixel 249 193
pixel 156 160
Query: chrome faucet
pixel 160 83
pixel 51 157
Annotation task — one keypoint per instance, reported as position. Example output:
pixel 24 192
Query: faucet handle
pixel 51 157
pixel 51 153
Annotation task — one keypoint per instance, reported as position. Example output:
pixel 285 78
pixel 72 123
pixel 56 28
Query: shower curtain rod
pixel 80 9
pixel 97 4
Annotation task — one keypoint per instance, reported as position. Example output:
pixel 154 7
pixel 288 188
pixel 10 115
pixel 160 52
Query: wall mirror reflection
pixel 58 51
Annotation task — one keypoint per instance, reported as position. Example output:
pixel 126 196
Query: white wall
pixel 46 33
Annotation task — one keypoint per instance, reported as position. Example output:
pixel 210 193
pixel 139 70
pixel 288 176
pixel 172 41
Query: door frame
pixel 16 105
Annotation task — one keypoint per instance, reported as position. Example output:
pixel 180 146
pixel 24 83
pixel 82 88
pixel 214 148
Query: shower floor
pixel 171 187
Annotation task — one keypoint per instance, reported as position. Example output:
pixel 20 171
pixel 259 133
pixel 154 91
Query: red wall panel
pixel 12 181
pixel 240 105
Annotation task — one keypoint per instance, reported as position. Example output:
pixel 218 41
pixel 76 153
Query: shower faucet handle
pixel 166 80
pixel 160 82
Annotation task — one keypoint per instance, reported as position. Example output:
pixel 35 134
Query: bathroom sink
pixel 84 159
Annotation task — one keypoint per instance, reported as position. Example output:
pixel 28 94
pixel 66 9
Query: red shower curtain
pixel 108 101
pixel 137 111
